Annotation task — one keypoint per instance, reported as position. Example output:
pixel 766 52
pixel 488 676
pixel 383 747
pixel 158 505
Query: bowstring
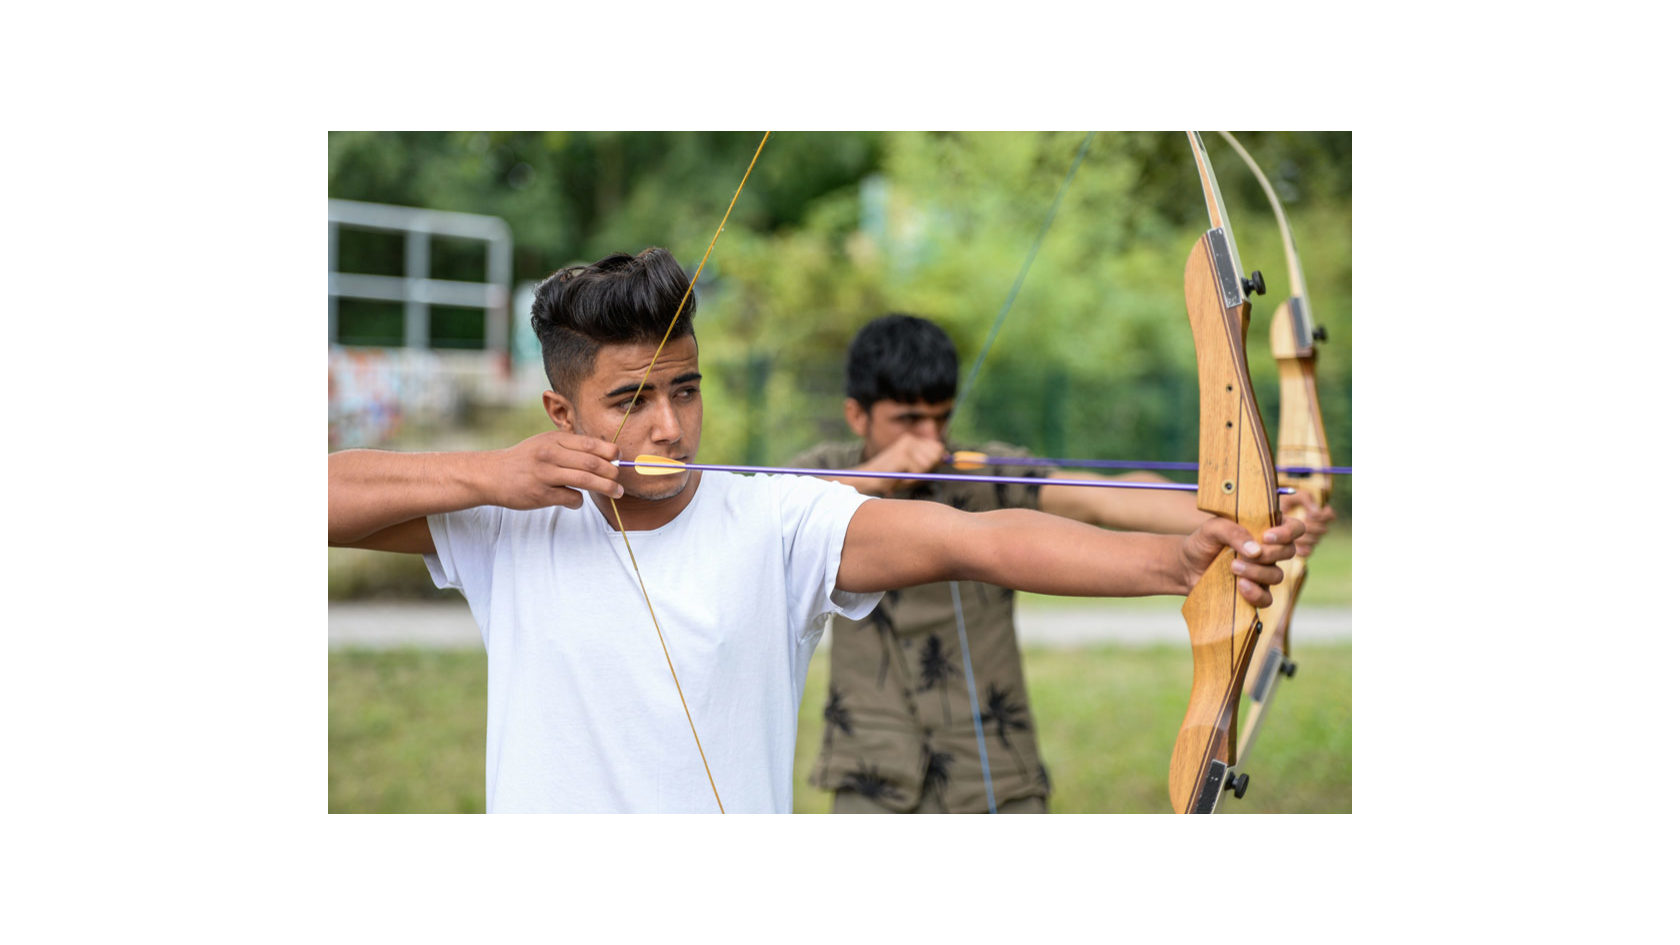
pixel 634 398
pixel 962 393
pixel 1021 277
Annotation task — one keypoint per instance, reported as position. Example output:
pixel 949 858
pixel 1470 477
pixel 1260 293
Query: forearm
pixel 1045 554
pixel 370 490
pixel 1160 511
pixel 899 543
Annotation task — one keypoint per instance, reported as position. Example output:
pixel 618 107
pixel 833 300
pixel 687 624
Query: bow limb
pixel 1301 444
pixel 1235 480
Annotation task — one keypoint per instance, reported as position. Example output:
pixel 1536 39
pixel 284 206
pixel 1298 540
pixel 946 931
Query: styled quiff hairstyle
pixel 903 358
pixel 622 298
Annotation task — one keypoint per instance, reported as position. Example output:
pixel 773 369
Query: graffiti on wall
pixel 372 393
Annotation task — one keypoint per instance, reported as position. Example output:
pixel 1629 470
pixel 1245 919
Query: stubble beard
pixel 676 484
pixel 643 488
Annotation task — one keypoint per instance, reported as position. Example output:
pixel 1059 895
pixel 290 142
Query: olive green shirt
pixel 898 720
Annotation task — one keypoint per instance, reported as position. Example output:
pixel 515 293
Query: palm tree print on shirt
pixel 835 716
pixel 1007 715
pixel 937 670
pixel 868 782
pixel 938 778
pixel 883 624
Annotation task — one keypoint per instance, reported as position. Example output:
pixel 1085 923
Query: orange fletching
pixel 661 467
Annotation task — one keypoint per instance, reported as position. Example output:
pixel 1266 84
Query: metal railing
pixel 415 288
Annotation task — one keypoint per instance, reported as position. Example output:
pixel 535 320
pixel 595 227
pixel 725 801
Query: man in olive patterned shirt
pixel 899 734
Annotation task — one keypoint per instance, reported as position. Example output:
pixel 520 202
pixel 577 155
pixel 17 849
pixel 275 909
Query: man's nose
pixel 664 427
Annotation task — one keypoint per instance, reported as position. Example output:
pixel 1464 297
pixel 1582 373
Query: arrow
pixel 650 465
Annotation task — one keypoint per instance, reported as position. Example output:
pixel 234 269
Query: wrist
pixel 469 479
pixel 1183 572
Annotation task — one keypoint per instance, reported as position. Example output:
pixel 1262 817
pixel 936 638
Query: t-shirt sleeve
pixel 815 515
pixel 466 548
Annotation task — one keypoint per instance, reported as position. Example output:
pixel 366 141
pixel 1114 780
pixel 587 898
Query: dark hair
pixel 903 358
pixel 622 298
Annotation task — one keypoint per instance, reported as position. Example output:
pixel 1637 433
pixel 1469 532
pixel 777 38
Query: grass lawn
pixel 406 731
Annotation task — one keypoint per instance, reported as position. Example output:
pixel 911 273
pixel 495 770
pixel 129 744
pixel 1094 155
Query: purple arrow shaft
pixel 938 477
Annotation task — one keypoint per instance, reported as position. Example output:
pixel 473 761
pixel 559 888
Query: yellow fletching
pixel 666 467
pixel 968 460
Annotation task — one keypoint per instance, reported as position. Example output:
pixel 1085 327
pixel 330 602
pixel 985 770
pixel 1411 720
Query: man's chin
pixel 656 488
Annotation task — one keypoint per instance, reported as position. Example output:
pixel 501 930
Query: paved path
pixel 448 624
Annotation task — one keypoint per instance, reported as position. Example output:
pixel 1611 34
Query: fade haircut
pixel 903 358
pixel 621 299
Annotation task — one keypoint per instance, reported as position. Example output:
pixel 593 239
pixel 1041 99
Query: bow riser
pixel 1235 480
pixel 1301 443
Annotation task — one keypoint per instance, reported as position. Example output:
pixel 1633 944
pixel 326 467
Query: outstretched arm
pixel 1131 510
pixel 898 543
pixel 1159 511
pixel 380 500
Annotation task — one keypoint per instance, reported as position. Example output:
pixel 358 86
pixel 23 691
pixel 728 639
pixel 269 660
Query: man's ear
pixel 560 411
pixel 857 417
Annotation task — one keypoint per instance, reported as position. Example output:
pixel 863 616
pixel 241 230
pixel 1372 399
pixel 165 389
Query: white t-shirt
pixel 583 715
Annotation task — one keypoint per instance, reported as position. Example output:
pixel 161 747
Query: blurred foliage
pixel 835 228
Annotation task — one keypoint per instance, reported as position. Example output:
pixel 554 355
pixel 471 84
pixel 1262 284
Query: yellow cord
pixel 692 280
pixel 696 732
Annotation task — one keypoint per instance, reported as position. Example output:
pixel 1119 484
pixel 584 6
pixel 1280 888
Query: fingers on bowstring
pixel 588 444
pixel 589 473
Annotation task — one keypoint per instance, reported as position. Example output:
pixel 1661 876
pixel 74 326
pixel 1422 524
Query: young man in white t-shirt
pixel 741 572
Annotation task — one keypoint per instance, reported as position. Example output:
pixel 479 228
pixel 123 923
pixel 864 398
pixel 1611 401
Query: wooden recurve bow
pixel 1300 444
pixel 1235 480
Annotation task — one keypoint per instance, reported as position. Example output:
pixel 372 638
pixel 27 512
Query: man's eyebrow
pixel 623 389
